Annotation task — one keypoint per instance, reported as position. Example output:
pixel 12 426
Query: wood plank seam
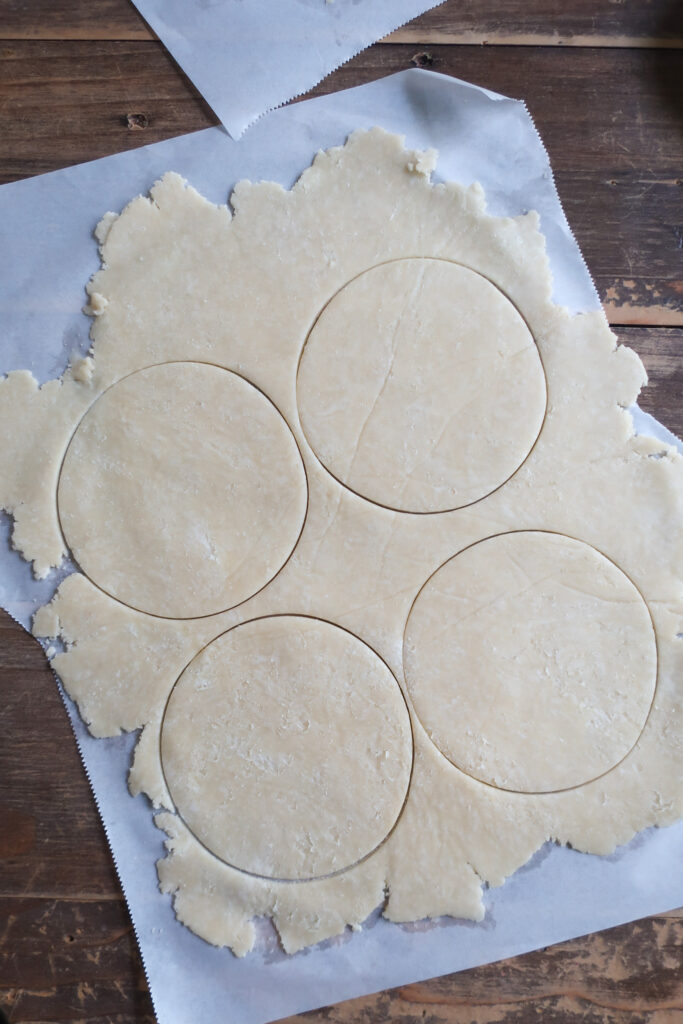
pixel 427 37
pixel 432 38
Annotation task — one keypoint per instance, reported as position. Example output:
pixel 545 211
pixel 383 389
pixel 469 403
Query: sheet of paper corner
pixel 46 255
pixel 248 58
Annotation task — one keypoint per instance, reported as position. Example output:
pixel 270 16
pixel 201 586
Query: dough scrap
pixel 185 280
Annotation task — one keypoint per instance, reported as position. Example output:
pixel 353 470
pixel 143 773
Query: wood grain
pixel 619 172
pixel 74 961
pixel 625 23
pixel 52 843
pixel 608 978
pixel 71 960
pixel 76 97
pixel 662 353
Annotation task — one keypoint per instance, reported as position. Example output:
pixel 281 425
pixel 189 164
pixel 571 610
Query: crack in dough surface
pixel 167 490
pixel 531 660
pixel 420 386
pixel 287 748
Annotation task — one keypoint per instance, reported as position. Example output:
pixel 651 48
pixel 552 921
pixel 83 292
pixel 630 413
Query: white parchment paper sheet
pixel 249 57
pixel 46 255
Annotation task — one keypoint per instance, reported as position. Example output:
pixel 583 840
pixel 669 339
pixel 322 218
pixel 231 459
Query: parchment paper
pixel 247 58
pixel 46 255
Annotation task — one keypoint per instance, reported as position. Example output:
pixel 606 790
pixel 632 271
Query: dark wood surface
pixel 630 23
pixel 604 82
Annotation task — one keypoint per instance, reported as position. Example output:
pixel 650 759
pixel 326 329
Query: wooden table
pixel 83 78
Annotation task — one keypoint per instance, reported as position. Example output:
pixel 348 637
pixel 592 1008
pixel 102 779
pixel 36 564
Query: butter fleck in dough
pixel 183 280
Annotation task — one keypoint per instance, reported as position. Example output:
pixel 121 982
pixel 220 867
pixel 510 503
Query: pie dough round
pixel 420 386
pixel 168 490
pixel 531 660
pixel 287 748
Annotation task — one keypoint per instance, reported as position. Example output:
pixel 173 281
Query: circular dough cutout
pixel 531 661
pixel 420 386
pixel 182 492
pixel 287 748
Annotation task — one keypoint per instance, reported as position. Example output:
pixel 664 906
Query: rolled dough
pixel 362 239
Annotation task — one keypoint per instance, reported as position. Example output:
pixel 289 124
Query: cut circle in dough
pixel 420 386
pixel 287 748
pixel 532 662
pixel 168 488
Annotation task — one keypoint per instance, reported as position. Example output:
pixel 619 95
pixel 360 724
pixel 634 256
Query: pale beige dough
pixel 531 661
pixel 286 747
pixel 174 474
pixel 420 386
pixel 185 280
